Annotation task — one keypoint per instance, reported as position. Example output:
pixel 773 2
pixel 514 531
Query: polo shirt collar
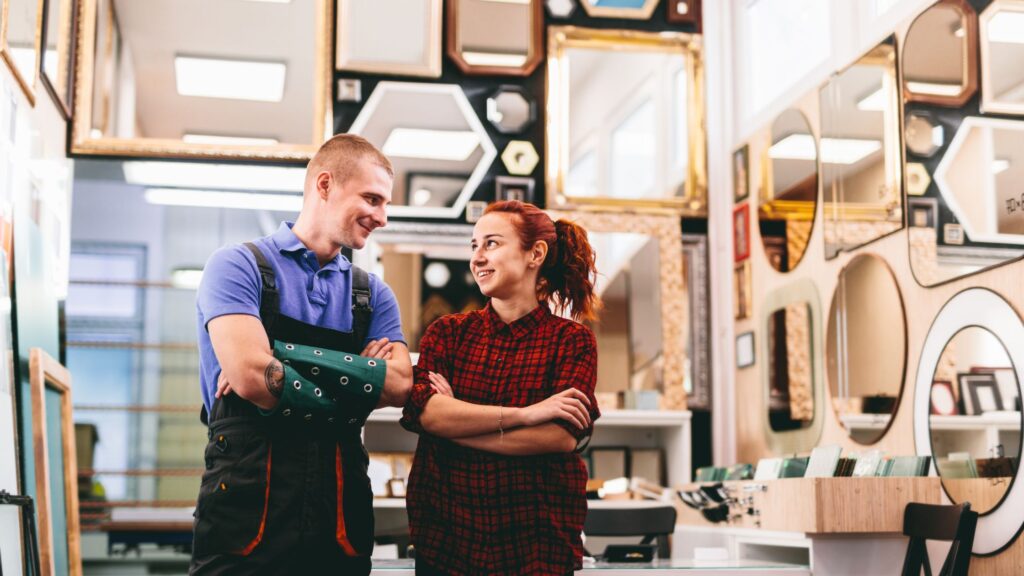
pixel 520 327
pixel 288 243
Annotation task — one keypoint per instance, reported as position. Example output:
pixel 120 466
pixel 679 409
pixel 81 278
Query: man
pixel 297 347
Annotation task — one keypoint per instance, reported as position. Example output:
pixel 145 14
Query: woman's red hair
pixel 567 276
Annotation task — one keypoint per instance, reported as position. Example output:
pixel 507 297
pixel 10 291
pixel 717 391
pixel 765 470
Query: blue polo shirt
pixel 321 296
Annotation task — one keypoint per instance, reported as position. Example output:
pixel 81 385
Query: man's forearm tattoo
pixel 274 376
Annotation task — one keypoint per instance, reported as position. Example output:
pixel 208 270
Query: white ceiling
pixel 155 31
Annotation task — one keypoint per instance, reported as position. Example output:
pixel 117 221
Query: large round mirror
pixel 866 358
pixel 789 191
pixel 975 419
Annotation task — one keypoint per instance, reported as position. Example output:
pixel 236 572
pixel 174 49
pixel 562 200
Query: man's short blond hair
pixel 341 154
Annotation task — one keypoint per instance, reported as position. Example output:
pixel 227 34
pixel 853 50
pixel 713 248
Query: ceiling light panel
pixel 230 79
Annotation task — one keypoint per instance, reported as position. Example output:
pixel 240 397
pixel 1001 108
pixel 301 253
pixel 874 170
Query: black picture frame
pixel 922 212
pixel 979 393
pixel 415 180
pixel 514 188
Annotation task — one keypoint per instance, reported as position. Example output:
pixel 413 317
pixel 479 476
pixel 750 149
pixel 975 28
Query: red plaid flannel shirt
pixel 473 512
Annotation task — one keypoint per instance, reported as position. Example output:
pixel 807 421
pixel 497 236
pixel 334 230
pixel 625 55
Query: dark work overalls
pixel 286 495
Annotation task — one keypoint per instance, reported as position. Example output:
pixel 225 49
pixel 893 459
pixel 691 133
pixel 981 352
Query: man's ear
pixel 323 184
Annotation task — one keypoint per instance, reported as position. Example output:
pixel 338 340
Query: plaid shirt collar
pixel 519 328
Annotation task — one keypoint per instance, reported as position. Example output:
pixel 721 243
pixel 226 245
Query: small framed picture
pixel 742 301
pixel 475 210
pixel 741 232
pixel 943 401
pixel 513 188
pixel 745 350
pixel 350 90
pixel 923 212
pixel 740 171
pixel 979 393
pixel 396 486
pixel 952 233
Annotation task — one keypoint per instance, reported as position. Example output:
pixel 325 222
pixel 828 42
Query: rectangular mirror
pixel 496 38
pixel 57 54
pixel 243 81
pixel 19 42
pixel 401 37
pixel 1002 75
pixel 860 156
pixel 625 120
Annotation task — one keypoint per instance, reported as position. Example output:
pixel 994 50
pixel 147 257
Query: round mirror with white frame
pixel 975 319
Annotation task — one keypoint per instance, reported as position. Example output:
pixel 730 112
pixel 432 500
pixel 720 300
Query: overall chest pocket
pixel 232 509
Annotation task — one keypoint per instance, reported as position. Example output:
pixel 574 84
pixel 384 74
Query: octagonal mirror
pixel 631 9
pixel 860 152
pixel 1002 52
pixel 789 191
pixel 866 359
pixel 940 55
pixel 496 38
pixel 978 217
pixel 438 148
pixel 511 110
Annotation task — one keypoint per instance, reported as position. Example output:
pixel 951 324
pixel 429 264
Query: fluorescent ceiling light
pixel 187 278
pixel 217 176
pixel 431 144
pixel 833 150
pixel 1006 27
pixel 873 102
pixel 936 88
pixel 228 140
pixel 1000 165
pixel 223 199
pixel 234 79
pixel 492 59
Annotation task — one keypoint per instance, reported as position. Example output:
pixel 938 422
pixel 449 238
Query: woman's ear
pixel 538 254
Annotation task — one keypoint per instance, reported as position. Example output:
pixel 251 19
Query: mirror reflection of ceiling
pixel 437 146
pixel 865 358
pixel 1001 37
pixel 786 216
pixel 934 52
pixel 156 32
pixel 790 368
pixel 975 382
pixel 495 33
pixel 627 113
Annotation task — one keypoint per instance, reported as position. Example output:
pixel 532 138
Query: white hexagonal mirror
pixel 439 149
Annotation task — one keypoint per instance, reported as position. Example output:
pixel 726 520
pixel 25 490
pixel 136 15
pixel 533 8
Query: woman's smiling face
pixel 499 264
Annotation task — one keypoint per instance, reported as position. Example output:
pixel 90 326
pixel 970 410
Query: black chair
pixel 652 522
pixel 922 522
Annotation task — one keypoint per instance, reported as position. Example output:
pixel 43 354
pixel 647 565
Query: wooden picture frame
pixel 740 173
pixel 742 299
pixel 61 88
pixel 45 373
pixel 741 232
pixel 979 393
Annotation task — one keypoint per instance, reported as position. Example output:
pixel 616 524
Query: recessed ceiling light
pixel 431 144
pixel 1006 27
pixel 833 150
pixel 216 176
pixel 493 59
pixel 223 199
pixel 233 79
pixel 228 140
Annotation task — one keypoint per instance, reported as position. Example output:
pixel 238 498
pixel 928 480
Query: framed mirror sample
pixel 789 190
pixel 923 135
pixel 488 38
pixel 57 54
pixel 940 55
pixel 865 359
pixel 520 157
pixel 560 8
pixel 628 9
pixel 511 110
pixel 248 81
pixel 1001 55
pixel 793 395
pixel 640 276
pixel 741 174
pixel 513 188
pixel 400 37
pixel 427 129
pixel 609 90
pixel 20 30
pixel 862 183
pixel 976 331
pixel 683 12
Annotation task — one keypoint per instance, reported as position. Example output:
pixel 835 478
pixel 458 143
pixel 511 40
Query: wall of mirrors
pixel 789 191
pixel 860 152
pixel 496 38
pixel 865 358
pixel 389 37
pixel 437 145
pixel 19 42
pixel 624 119
pixel 186 78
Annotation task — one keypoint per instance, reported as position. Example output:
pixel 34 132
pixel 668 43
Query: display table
pixel 655 568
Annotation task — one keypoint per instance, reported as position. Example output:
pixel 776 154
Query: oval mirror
pixel 495 38
pixel 975 420
pixel 789 192
pixel 866 359
pixel 940 55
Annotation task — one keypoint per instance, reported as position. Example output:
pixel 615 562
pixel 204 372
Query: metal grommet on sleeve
pixel 286 412
pixel 317 392
pixel 318 353
pixel 297 385
pixel 371 363
pixel 348 358
pixel 308 417
pixel 368 388
pixel 289 347
pixel 314 370
pixel 343 380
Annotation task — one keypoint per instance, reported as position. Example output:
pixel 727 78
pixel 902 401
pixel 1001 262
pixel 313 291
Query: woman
pixel 502 398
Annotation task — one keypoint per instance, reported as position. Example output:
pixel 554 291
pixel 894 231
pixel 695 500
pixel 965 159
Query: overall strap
pixel 361 310
pixel 269 300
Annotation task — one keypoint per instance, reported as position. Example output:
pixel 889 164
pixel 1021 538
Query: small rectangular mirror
pixel 19 42
pixel 1001 54
pixel 625 121
pixel 58 50
pixel 401 37
pixel 496 38
pixel 241 81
